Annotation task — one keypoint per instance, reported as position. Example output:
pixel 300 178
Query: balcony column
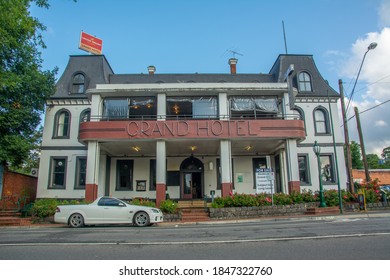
pixel 223 106
pixel 292 166
pixel 161 170
pixel 161 106
pixel 226 167
pixel 92 176
pixel 96 107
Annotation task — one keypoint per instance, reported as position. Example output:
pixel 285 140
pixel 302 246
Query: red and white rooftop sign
pixel 90 43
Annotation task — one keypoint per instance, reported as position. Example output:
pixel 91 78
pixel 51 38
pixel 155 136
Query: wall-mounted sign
pixel 90 43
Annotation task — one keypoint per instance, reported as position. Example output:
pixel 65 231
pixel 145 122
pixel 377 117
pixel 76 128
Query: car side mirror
pixel 121 204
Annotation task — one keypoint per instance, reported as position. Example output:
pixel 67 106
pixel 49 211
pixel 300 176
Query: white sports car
pixel 107 210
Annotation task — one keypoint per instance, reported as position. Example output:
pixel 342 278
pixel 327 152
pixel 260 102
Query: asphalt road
pixel 350 238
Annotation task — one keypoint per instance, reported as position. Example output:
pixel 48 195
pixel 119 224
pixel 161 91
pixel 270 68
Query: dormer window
pixel 78 83
pixel 304 82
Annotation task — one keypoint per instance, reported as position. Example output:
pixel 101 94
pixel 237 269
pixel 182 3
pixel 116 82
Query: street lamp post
pixel 317 151
pixel 372 46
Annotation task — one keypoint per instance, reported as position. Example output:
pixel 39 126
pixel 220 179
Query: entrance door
pixel 191 171
pixel 192 185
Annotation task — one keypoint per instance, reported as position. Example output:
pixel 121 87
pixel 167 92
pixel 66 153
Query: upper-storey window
pixel 85 116
pixel 78 83
pixel 304 82
pixel 62 124
pixel 205 107
pixel 253 107
pixel 134 108
pixel 321 121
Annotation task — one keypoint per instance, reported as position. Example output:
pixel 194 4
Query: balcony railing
pixel 199 117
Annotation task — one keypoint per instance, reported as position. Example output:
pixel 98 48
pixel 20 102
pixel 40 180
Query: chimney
pixel 233 63
pixel 151 70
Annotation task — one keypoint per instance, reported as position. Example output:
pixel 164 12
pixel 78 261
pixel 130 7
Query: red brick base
pixel 294 186
pixel 226 189
pixel 91 192
pixel 160 193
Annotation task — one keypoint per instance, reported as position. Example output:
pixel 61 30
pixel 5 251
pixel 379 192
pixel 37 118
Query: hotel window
pixel 62 124
pixel 124 175
pixel 152 175
pixel 192 107
pixel 303 165
pixel 327 169
pixel 57 172
pixel 81 172
pixel 321 121
pixel 258 163
pixel 134 108
pixel 142 108
pixel 304 82
pixel 85 116
pixel 253 107
pixel 115 108
pixel 78 83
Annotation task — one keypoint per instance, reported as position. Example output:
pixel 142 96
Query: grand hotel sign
pixel 191 129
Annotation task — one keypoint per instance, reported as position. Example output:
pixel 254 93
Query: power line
pixel 369 109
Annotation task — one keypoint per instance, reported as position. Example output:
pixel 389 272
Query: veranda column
pixel 92 180
pixel 160 172
pixel 226 167
pixel 292 166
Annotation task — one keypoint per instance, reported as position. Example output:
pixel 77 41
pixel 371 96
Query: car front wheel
pixel 141 219
pixel 76 220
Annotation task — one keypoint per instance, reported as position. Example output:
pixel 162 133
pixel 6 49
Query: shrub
pixel 282 199
pixel 47 206
pixel 168 206
pixel 331 198
pixel 143 202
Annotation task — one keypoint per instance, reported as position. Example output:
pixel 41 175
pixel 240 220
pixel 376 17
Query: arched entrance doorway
pixel 191 178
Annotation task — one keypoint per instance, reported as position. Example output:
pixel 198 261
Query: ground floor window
pixel 327 169
pixel 58 172
pixel 124 175
pixel 258 163
pixel 152 175
pixel 81 172
pixel 303 165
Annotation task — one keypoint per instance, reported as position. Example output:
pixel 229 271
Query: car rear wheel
pixel 76 220
pixel 141 219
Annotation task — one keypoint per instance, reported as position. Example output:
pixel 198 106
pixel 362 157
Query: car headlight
pixel 155 210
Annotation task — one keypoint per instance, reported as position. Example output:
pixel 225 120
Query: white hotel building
pixel 188 135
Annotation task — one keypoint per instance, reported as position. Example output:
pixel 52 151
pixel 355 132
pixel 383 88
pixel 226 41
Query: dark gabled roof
pixel 190 78
pixel 302 63
pixel 95 68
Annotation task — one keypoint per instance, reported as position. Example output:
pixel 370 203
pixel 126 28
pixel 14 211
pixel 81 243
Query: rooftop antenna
pixel 234 53
pixel 284 35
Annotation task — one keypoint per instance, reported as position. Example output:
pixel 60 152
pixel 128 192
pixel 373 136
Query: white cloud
pixel 380 123
pixel 376 73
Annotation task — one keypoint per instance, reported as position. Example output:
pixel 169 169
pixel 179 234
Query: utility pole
pixel 359 128
pixel 346 137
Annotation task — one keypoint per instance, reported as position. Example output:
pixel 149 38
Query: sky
pixel 188 36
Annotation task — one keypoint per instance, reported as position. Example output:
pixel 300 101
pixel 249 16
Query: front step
pixel 194 215
pixel 192 204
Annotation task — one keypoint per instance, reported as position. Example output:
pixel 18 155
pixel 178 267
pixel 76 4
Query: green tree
pixel 356 156
pixel 386 154
pixel 24 86
pixel 373 161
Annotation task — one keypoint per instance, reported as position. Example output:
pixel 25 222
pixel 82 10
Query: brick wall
pixel 17 187
pixel 382 174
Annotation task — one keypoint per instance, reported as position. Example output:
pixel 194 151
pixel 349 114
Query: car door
pixel 116 211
